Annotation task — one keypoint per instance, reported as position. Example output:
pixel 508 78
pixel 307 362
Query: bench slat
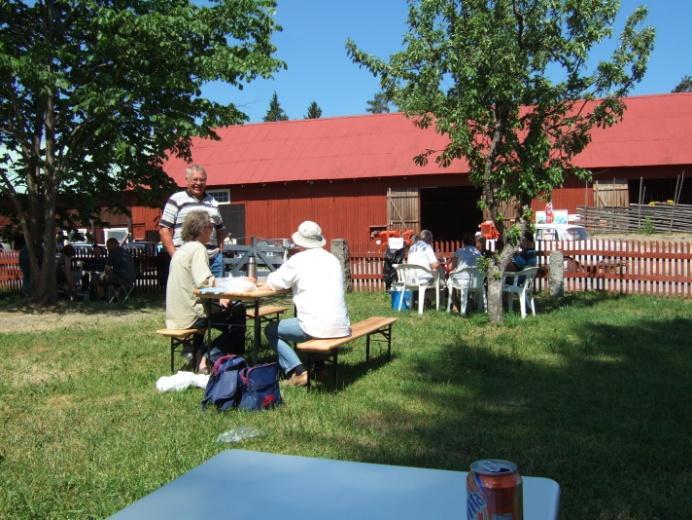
pixel 179 333
pixel 265 310
pixel 358 330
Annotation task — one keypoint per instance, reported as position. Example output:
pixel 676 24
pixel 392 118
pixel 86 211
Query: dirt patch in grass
pixel 35 320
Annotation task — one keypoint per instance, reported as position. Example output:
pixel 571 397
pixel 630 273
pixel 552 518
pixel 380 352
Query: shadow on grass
pixel 582 300
pixel 606 416
pixel 349 373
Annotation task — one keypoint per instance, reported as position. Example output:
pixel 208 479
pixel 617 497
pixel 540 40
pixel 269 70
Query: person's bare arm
pixel 166 235
pixel 220 237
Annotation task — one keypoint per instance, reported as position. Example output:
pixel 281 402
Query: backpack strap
pixel 217 364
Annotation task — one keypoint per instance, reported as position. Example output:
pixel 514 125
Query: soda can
pixel 494 491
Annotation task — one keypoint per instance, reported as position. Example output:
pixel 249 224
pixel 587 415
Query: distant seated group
pixel 473 248
pixel 118 271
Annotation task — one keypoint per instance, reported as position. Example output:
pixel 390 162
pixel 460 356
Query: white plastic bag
pixel 235 284
pixel 180 381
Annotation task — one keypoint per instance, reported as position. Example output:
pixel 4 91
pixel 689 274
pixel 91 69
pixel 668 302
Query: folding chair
pixel 466 280
pixel 519 284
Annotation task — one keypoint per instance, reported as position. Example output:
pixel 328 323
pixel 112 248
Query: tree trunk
pixel 495 282
pixel 495 310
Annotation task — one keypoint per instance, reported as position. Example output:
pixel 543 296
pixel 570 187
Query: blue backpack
pixel 222 389
pixel 259 387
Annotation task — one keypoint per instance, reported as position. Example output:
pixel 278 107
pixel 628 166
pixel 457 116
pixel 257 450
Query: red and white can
pixel 494 491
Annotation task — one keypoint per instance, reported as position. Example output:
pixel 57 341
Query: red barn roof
pixel 655 131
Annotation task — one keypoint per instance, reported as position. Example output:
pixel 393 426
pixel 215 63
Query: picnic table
pixel 263 293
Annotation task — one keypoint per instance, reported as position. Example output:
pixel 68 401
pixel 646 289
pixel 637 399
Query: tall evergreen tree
pixel 314 111
pixel 380 104
pixel 685 85
pixel 483 73
pixel 275 112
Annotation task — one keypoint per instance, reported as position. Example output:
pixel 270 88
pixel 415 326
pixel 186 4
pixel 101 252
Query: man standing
pixel 180 204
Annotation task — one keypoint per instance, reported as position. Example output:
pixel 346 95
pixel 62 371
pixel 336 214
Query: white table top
pixel 262 291
pixel 242 484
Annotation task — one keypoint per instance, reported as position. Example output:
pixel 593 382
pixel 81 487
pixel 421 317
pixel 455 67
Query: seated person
pixel 421 253
pixel 97 262
pixel 317 280
pixel 526 256
pixel 189 271
pixel 482 247
pixel 467 255
pixel 120 267
pixel 63 270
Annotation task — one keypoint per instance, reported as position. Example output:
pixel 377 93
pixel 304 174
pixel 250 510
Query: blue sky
pixel 313 46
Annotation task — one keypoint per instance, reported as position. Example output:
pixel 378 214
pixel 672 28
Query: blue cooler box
pixel 406 304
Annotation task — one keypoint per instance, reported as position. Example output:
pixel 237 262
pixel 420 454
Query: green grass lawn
pixel 595 393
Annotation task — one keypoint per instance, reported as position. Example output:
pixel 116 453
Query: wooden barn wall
pixel 344 209
pixel 347 209
pixel 576 192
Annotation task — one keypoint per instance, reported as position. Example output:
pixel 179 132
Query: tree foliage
pixel 314 111
pixel 93 94
pixel 510 83
pixel 685 85
pixel 275 112
pixel 379 104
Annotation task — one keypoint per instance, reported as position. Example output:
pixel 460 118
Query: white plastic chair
pixel 411 277
pixel 520 284
pixel 466 280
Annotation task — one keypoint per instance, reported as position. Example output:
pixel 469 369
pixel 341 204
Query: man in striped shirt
pixel 180 204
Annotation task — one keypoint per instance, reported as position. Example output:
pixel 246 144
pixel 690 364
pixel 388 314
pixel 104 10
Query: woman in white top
pixel 421 253
pixel 316 277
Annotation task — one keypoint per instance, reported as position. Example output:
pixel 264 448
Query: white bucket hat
pixel 309 235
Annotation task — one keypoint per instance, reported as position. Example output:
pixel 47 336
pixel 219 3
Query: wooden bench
pixel 266 312
pixel 181 338
pixel 328 349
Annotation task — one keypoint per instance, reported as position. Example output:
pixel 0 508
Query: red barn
pixel 356 175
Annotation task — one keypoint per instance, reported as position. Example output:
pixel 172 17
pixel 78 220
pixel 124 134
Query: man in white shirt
pixel 316 277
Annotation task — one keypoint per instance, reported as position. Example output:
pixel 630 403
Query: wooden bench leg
pixel 387 335
pixel 336 368
pixel 189 340
pixel 308 362
pixel 173 347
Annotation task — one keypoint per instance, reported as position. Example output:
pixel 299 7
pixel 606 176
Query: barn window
pixel 221 196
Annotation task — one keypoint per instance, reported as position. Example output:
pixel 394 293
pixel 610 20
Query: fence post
pixel 556 275
pixel 339 248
